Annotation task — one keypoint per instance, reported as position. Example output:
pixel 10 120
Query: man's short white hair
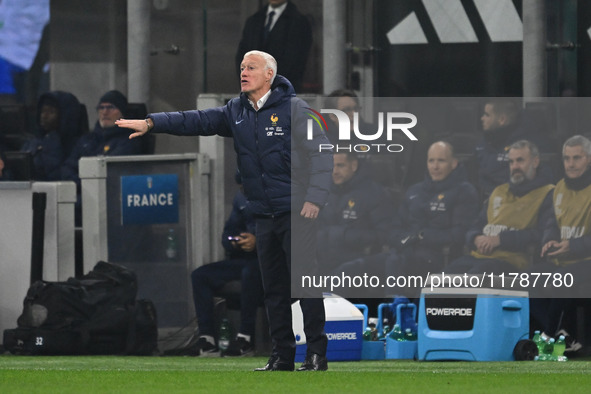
pixel 578 140
pixel 270 61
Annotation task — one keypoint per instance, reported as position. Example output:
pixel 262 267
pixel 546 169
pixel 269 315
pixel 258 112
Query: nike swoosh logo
pixel 239 121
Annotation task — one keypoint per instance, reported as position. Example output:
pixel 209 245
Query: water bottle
pixel 542 341
pixel 549 346
pixel 559 347
pixel 374 334
pixel 409 335
pixel 225 334
pixel 537 339
pixel 547 350
pixel 171 245
pixel 396 333
pixel 385 332
pixel 367 334
pixel 372 322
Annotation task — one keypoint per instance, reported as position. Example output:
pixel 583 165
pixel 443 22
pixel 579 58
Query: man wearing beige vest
pixel 567 243
pixel 511 222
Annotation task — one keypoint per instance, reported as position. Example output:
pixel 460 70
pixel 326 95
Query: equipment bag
pixel 96 314
pixel 42 341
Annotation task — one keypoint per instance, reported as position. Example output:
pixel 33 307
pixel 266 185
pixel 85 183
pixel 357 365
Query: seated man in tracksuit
pixel 242 264
pixel 567 239
pixel 58 120
pixel 513 218
pixel 356 217
pixel 433 214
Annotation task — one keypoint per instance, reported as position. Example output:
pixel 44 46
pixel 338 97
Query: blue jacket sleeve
pixel 309 154
pixel 196 122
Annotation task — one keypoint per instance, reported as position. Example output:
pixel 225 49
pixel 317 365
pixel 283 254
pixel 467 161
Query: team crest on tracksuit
pixel 350 212
pixel 438 205
pixel 274 129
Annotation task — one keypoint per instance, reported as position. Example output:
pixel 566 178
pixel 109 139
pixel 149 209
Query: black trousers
pixel 275 240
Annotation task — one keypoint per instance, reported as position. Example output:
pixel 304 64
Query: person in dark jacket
pixel 105 140
pixel 241 264
pixel 58 118
pixel 355 220
pixel 512 221
pixel 286 179
pixel 502 126
pixel 347 101
pixel 288 40
pixel 433 214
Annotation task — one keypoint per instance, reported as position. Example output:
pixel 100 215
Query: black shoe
pixel 314 362
pixel 277 364
pixel 203 348
pixel 239 347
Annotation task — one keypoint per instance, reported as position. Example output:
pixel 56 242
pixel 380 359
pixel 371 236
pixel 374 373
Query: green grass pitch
pixel 113 374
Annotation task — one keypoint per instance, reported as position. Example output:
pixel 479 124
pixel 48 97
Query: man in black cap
pixel 105 140
pixel 111 107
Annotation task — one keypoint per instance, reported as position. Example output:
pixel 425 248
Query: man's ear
pixel 454 163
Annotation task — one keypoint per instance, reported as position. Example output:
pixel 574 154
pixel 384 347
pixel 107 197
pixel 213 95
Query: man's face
pixel 576 161
pixel 108 114
pixel 521 165
pixel 440 163
pixel 254 76
pixel 490 119
pixel 343 169
pixel 1 166
pixel 349 106
pixel 49 117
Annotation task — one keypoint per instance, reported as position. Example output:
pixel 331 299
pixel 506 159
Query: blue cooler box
pixel 344 329
pixel 472 324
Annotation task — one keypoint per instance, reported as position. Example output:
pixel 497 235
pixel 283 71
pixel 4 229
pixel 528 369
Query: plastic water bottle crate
pixel 400 350
pixel 388 348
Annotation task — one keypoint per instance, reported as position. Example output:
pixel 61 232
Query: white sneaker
pixel 571 343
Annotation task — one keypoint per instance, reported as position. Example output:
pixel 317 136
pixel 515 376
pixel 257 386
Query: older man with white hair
pixel 280 168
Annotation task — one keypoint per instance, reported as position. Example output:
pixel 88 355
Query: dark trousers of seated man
pixel 210 278
pixel 555 308
pixel 275 243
